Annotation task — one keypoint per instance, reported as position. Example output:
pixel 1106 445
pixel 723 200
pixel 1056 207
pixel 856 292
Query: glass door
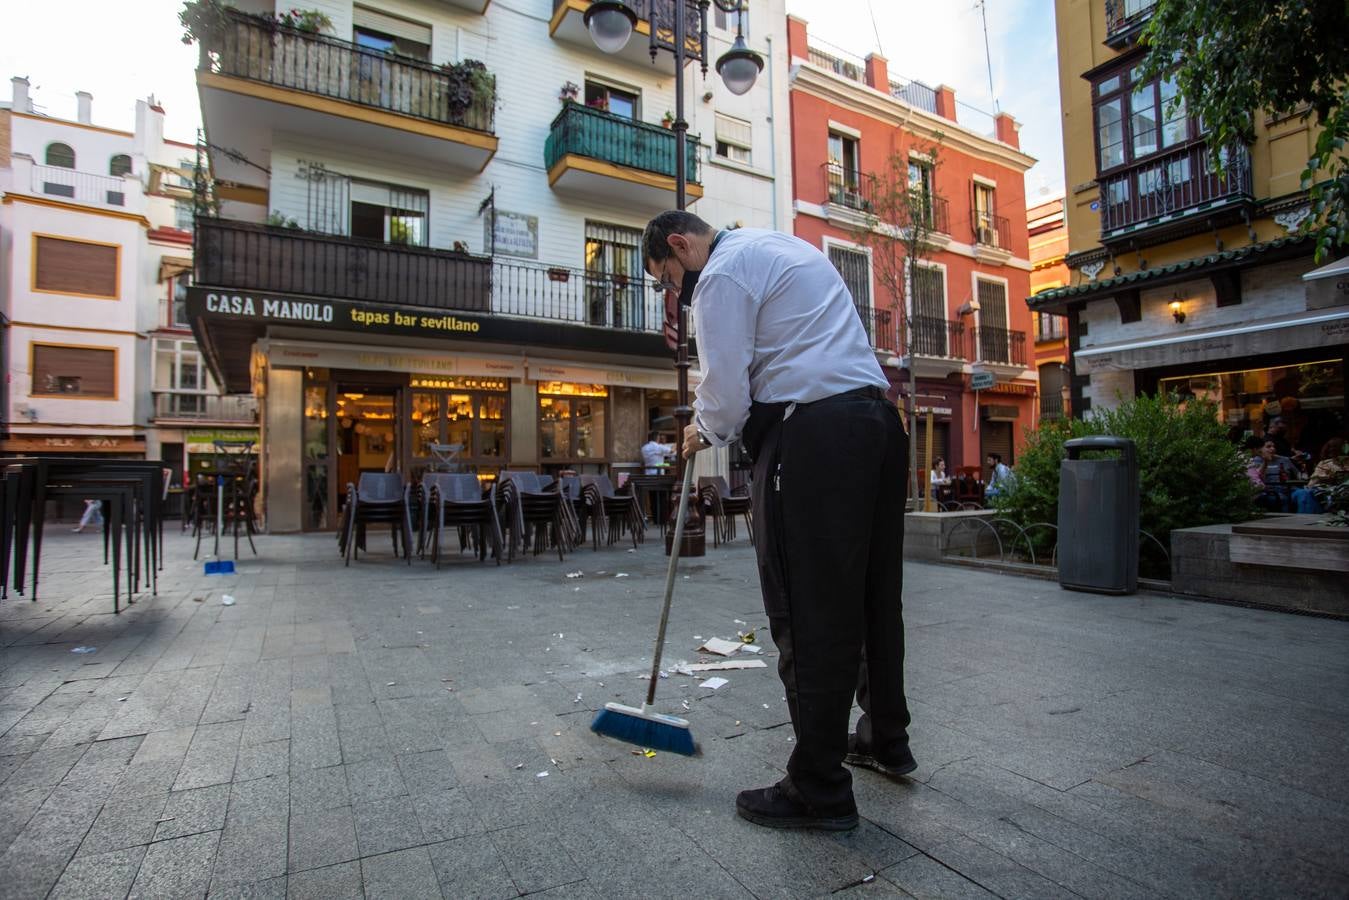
pixel 367 433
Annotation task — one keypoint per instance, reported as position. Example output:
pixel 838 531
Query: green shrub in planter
pixel 1189 473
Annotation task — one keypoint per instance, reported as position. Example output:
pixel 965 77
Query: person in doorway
pixel 999 477
pixel 1274 472
pixel 1332 469
pixel 788 370
pixel 655 455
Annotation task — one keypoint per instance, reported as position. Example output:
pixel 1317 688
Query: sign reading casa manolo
pixel 342 314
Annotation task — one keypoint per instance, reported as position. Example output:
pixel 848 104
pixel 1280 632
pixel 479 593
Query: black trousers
pixel 828 493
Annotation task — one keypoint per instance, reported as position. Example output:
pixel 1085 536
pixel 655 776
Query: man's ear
pixel 678 244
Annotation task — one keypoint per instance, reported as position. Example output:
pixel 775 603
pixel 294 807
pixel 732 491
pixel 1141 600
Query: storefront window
pixel 1309 398
pixel 425 423
pixel 466 410
pixel 572 420
pixel 316 448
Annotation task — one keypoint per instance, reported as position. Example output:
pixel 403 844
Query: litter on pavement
pixel 720 647
pixel 721 666
pixel 715 683
pixel 85 650
pixel 226 600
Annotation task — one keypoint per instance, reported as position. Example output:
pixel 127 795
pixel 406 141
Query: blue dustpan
pixel 220 567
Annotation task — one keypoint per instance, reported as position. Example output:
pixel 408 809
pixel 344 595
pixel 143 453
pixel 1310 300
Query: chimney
pixel 878 73
pixel 796 38
pixel 85 104
pixel 1007 130
pixel 946 102
pixel 20 94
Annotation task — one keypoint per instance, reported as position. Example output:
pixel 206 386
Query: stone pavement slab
pixel 385 730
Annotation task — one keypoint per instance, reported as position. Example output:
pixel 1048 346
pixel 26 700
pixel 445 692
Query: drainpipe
pixel 4 374
pixel 773 131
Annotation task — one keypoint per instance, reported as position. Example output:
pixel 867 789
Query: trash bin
pixel 1098 517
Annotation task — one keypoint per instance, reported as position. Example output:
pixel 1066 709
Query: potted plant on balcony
pixel 203 21
pixel 667 120
pixel 570 93
pixel 470 94
pixel 310 21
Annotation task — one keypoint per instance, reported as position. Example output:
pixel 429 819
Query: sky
pixel 926 40
pixel 942 42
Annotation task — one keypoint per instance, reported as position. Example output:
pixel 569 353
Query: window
pixel 929 330
pixel 994 338
pixel 1048 327
pixel 855 267
pixel 178 300
pixel 178 367
pixel 734 139
pixel 74 371
pixel 572 421
pixel 183 215
pixel 985 216
pixel 843 153
pixel 614 276
pixel 1136 119
pixel 389 213
pixel 78 268
pixel 61 155
pixel 612 100
pixel 736 22
pixel 469 411
pixel 380 32
pixel 920 189
pixel 119 165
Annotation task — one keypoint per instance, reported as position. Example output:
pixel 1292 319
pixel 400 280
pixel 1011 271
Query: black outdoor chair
pixel 723 505
pixel 378 498
pixel 457 501
pixel 611 511
pixel 532 514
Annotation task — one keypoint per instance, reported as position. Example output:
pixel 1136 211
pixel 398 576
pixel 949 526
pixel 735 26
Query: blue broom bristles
pixel 651 730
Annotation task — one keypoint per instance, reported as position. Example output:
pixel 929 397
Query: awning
pixel 1328 286
pixel 170 266
pixel 1305 330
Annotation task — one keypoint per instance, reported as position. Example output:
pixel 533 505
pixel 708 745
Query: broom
pixel 644 727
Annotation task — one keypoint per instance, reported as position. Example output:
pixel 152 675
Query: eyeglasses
pixel 664 280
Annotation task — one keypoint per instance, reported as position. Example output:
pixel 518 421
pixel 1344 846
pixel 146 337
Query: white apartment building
pixel 399 260
pixel 96 249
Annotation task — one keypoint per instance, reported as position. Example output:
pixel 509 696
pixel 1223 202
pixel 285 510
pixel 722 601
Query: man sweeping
pixel 787 369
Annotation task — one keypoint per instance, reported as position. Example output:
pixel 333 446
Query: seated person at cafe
pixel 1271 472
pixel 1000 476
pixel 1331 470
pixel 655 455
pixel 939 481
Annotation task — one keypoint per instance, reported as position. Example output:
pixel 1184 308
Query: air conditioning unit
pixel 988 236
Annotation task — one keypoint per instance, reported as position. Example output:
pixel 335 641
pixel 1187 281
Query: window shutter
pixel 362 17
pixel 73 267
pixel 78 371
pixel 734 131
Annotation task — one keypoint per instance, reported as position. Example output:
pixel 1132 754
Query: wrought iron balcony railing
pixel 600 135
pixel 916 94
pixel 999 345
pixel 205 407
pixel 1051 406
pixel 991 230
pixel 82 187
pixel 265 258
pixel 262 50
pixel 932 336
pixel 879 325
pixel 1124 18
pixel 849 188
pixel 1172 183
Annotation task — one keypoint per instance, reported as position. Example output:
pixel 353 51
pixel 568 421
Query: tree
pixel 900 219
pixel 1233 58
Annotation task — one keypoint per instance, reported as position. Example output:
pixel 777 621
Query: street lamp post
pixel 611 23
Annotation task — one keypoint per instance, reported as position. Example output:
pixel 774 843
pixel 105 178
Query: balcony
pixel 568 25
pixel 474 6
pixel 992 237
pixel 256 77
pixel 596 155
pixel 879 325
pixel 1051 406
pixel 287 261
pixel 1124 21
pixel 936 346
pixel 1175 193
pixel 1049 328
pixel 1000 349
pixel 199 408
pixel 916 94
pixel 82 187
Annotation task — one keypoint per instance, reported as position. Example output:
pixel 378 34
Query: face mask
pixel 691 278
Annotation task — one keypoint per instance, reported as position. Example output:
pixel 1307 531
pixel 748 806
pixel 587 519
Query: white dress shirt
pixel 775 323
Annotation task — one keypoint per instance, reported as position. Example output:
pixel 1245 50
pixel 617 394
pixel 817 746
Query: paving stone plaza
pixel 393 731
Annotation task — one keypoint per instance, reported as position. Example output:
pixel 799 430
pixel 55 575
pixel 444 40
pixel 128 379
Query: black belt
pixel 763 416
pixel 870 392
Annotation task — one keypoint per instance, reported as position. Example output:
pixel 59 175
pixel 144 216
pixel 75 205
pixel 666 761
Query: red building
pixel 965 321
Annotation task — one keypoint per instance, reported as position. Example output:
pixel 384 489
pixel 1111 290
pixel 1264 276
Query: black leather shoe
pixel 858 755
pixel 772 808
